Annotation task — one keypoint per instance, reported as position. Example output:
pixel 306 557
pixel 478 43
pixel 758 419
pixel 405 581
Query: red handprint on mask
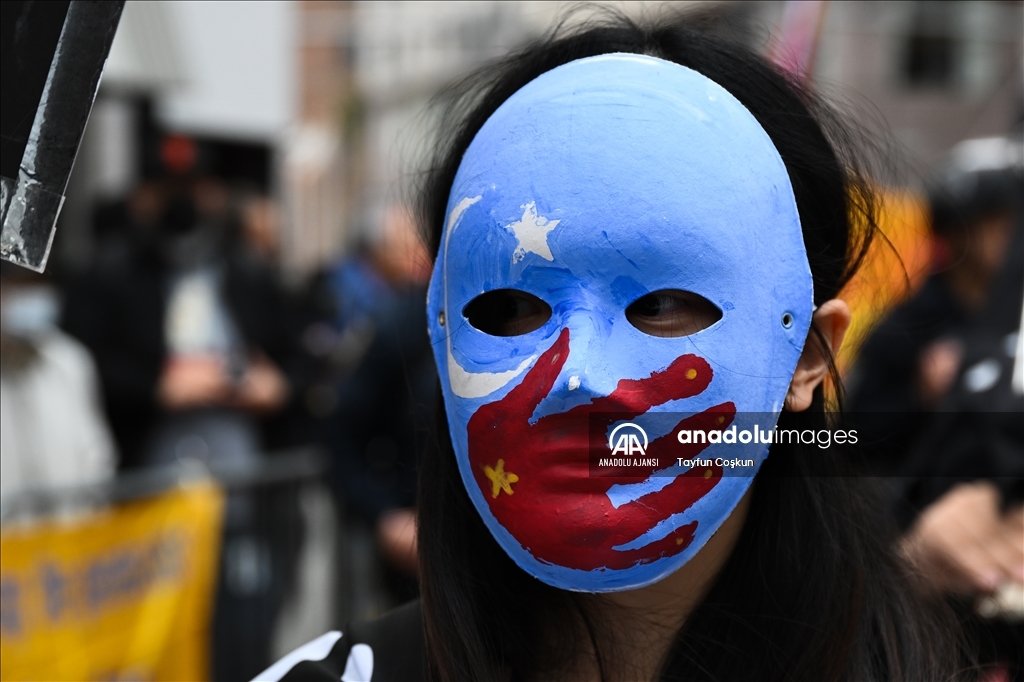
pixel 536 477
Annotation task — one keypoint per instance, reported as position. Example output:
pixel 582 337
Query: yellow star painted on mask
pixel 500 479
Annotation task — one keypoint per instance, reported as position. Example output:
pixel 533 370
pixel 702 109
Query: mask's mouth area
pixel 538 479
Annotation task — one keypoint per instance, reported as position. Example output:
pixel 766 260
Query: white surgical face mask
pixel 29 310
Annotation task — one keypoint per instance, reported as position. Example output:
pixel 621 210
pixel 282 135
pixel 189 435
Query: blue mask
pixel 598 183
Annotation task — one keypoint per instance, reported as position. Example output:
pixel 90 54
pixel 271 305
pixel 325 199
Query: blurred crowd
pixel 183 342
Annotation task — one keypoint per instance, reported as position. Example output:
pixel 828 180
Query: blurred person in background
pixel 961 491
pixel 384 401
pixel 308 315
pixel 185 313
pixel 54 433
pixel 908 363
pixel 122 280
pixel 937 392
pixel 221 315
pixel 194 335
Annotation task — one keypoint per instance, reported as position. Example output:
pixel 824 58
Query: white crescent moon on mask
pixel 471 384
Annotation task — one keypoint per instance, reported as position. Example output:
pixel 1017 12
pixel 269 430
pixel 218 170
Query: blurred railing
pixel 284 467
pixel 189 569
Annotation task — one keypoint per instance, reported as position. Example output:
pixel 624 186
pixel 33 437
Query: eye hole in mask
pixel 507 312
pixel 672 312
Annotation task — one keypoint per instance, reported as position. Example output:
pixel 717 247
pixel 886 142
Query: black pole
pixel 47 135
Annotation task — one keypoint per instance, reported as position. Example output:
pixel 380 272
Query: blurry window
pixel 932 44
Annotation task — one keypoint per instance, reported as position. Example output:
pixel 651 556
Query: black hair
pixel 813 589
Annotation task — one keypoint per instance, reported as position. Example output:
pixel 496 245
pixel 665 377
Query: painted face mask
pixel 602 182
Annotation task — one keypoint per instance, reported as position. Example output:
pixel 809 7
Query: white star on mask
pixel 532 233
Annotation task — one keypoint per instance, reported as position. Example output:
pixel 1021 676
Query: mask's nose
pixel 585 373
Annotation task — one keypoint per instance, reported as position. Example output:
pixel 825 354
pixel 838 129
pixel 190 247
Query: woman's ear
pixel 832 319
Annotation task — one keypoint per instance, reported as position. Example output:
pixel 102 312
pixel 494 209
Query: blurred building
pixel 223 73
pixel 323 104
pixel 935 73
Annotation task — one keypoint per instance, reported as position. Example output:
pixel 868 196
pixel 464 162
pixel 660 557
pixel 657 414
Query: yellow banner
pixel 124 594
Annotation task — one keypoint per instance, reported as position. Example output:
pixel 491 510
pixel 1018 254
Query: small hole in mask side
pixel 787 320
pixel 672 312
pixel 507 312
